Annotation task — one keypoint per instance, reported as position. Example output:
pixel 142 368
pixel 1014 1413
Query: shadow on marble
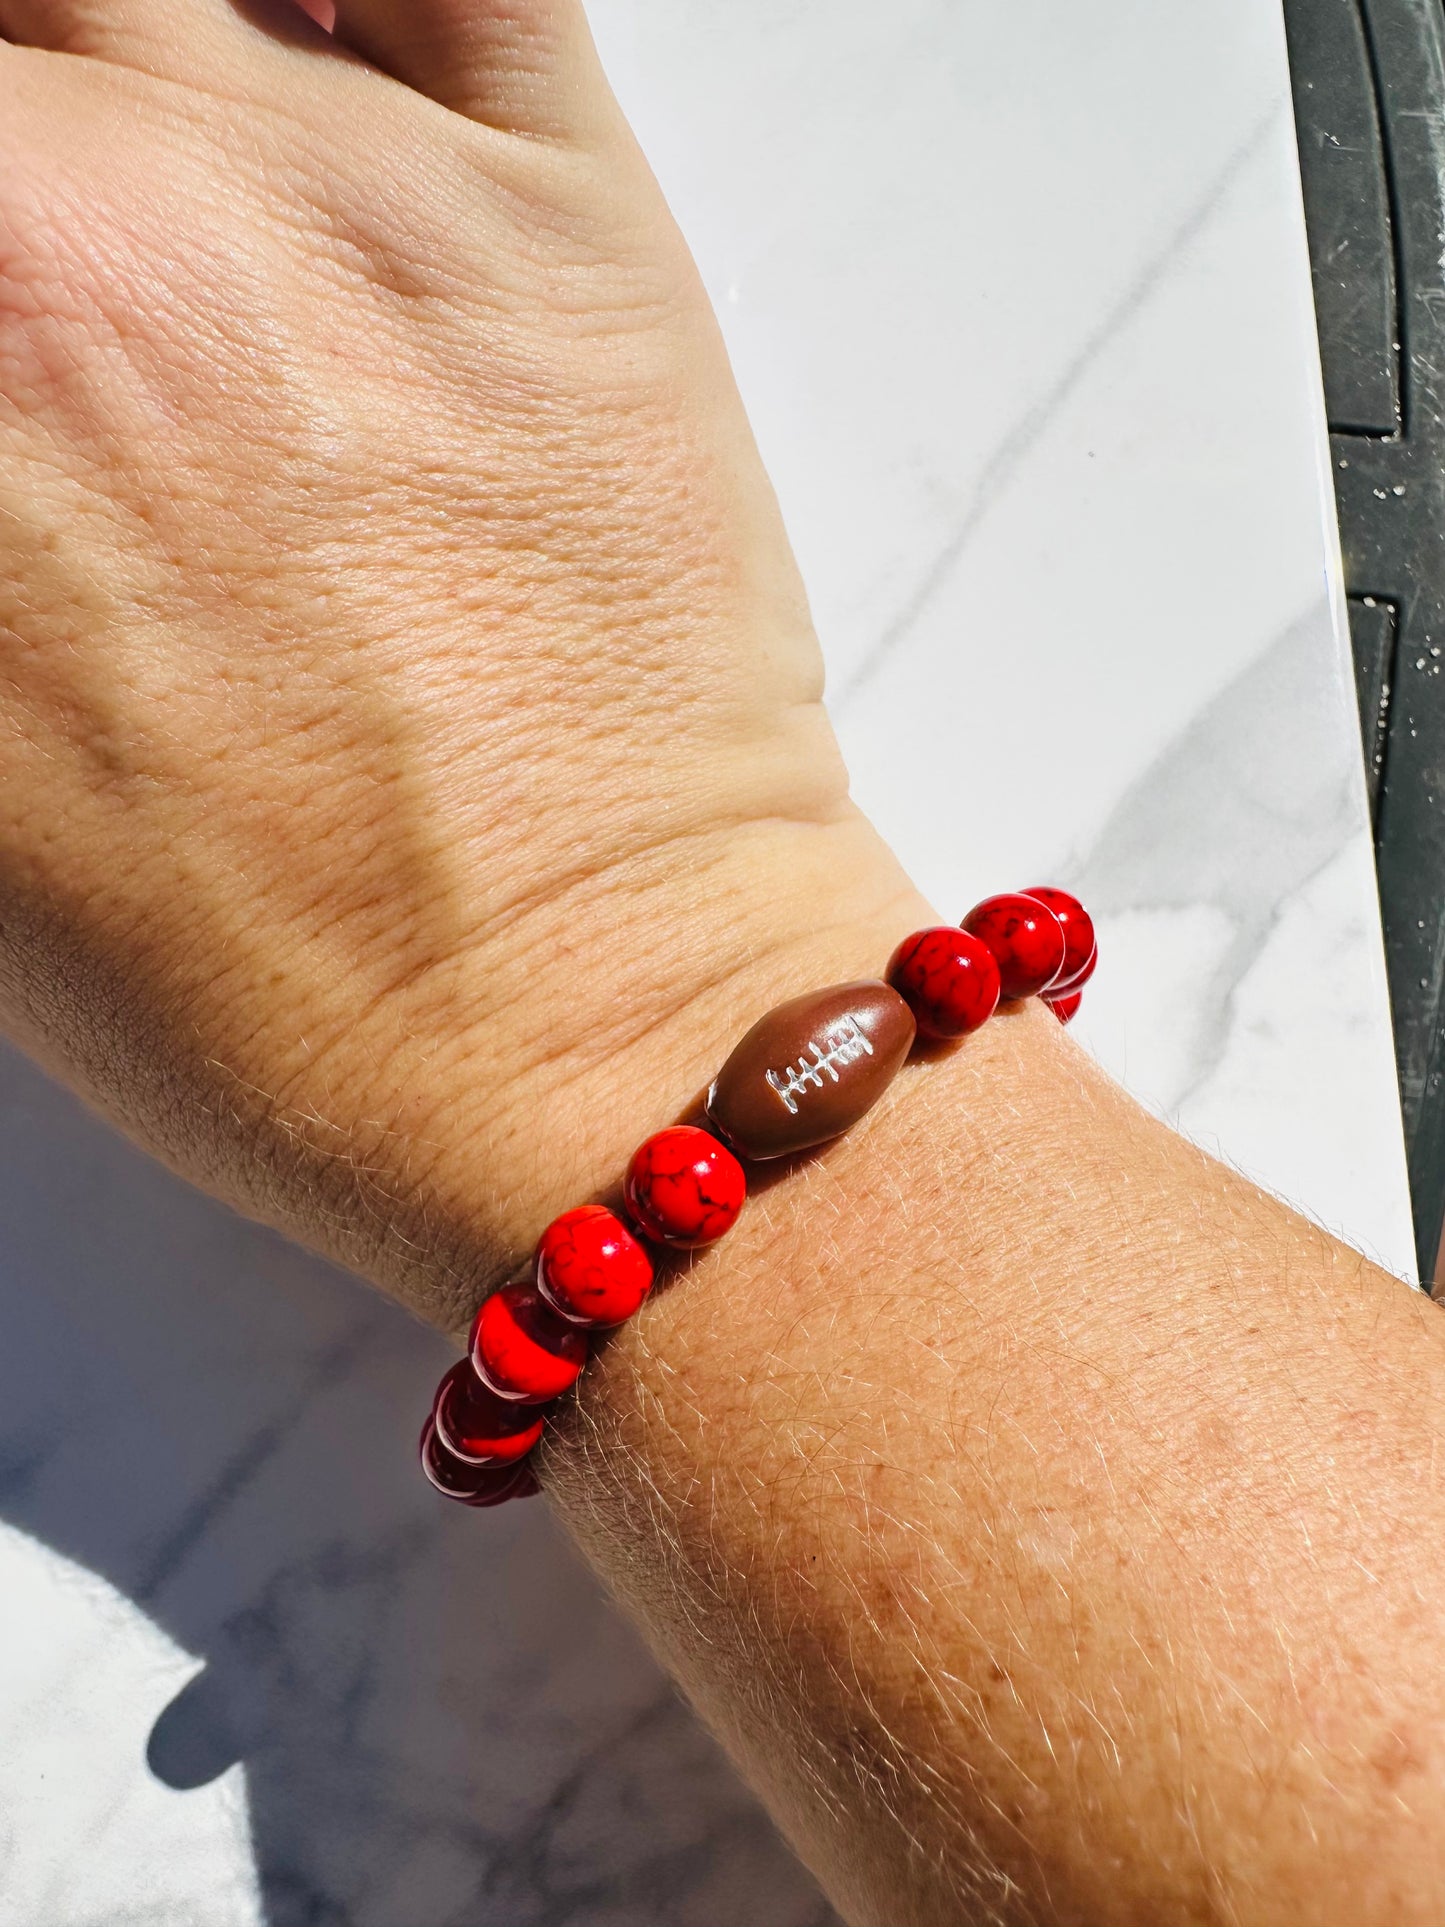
pixel 441 1719
pixel 1237 814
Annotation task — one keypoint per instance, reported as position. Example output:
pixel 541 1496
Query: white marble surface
pixel 1018 298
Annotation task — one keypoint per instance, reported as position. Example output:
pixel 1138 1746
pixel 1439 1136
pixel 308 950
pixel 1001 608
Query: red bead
pixel 591 1268
pixel 475 1425
pixel 1026 938
pixel 1066 1008
pixel 525 1483
pixel 948 979
pixel 684 1188
pixel 521 1349
pixel 477 1485
pixel 1063 985
pixel 1081 950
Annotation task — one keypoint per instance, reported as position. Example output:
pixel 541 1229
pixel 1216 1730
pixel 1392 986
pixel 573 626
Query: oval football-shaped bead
pixel 810 1069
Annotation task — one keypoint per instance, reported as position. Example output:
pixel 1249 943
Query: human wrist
pixel 799 1078
pixel 589 1021
pixel 748 1459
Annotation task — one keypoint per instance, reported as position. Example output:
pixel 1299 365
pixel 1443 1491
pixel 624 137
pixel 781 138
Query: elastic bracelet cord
pixel 800 1077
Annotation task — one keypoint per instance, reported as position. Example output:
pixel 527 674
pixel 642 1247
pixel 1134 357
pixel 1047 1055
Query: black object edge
pixel 1369 92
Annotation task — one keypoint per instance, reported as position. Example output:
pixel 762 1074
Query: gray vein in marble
pixel 1014 447
pixel 440 1721
pixel 1241 811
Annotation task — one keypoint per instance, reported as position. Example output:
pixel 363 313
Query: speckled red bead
pixel 1026 938
pixel 590 1268
pixel 948 979
pixel 1081 950
pixel 683 1188
pixel 477 1426
pixel 522 1349
pixel 475 1485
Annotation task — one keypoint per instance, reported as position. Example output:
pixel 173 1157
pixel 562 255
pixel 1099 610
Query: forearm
pixel 1042 1515
pixel 414 777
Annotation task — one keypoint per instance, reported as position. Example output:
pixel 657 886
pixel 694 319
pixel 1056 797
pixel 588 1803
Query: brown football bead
pixel 809 1069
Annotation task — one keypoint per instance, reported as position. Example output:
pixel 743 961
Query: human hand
pixel 413 772
pixel 413 755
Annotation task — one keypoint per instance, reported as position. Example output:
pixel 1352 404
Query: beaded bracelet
pixel 800 1077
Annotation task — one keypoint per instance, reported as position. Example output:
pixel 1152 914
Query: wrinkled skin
pixel 410 727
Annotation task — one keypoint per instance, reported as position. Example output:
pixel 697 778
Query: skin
pixel 413 773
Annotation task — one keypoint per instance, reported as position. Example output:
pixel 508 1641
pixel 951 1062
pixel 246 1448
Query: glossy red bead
pixel 525 1483
pixel 521 1349
pixel 1066 1008
pixel 590 1268
pixel 1026 938
pixel 1081 950
pixel 475 1425
pixel 476 1485
pixel 948 979
pixel 1063 985
pixel 683 1188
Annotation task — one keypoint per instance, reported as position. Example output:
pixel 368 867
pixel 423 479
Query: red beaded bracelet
pixel 799 1078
